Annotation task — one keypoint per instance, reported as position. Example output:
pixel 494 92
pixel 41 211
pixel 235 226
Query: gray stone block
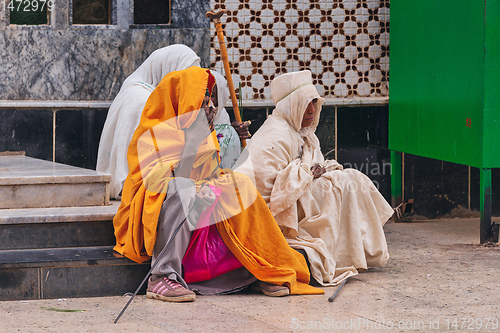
pixel 31 183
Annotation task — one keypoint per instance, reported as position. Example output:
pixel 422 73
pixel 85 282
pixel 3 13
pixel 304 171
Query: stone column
pixel 123 9
pixel 59 17
pixel 3 14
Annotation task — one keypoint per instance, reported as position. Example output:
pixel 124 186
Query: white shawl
pixel 337 218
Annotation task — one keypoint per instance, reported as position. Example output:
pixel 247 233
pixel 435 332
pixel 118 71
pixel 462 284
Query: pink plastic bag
pixel 207 256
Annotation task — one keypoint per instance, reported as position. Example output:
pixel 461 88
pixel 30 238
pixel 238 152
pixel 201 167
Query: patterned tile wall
pixel 345 43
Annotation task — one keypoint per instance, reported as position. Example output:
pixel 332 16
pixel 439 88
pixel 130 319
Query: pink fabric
pixel 207 256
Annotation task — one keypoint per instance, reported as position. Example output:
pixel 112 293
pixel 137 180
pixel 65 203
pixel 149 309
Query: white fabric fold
pixel 229 140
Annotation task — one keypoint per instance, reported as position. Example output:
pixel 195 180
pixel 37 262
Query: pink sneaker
pixel 168 290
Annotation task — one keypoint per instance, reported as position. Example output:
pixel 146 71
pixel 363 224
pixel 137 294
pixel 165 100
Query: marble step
pixel 68 273
pixel 38 228
pixel 27 182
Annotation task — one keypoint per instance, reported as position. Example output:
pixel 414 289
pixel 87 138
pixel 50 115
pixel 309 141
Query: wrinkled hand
pixel 318 170
pixel 205 196
pixel 242 129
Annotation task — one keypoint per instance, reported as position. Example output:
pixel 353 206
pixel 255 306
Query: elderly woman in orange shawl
pixel 174 154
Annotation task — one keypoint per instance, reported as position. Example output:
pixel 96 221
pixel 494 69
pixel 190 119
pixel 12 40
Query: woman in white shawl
pixel 125 113
pixel 334 215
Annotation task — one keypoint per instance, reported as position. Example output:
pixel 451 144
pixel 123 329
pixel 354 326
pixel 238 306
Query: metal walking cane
pixel 152 267
pixel 162 251
pixel 215 17
pixel 337 290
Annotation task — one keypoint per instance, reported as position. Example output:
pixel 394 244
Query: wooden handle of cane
pixel 215 17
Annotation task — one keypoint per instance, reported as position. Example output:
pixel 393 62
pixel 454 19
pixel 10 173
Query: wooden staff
pixel 215 17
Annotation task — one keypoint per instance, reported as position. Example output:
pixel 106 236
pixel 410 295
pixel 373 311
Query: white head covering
pixel 222 116
pixel 292 93
pixel 125 111
pixel 161 62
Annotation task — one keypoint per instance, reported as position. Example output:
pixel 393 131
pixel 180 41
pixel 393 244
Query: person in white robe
pixel 125 111
pixel 335 215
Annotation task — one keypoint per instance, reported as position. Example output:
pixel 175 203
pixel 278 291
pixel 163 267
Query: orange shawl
pixel 247 226
pixel 155 149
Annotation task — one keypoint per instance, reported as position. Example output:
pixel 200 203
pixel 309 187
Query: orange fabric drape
pixel 255 239
pixel 246 224
pixel 155 149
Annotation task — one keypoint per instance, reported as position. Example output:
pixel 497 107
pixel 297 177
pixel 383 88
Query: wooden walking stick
pixel 215 17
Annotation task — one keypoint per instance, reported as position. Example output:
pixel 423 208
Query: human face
pixel 210 107
pixel 308 118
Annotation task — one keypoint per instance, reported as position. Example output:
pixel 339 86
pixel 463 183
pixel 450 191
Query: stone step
pixel 27 182
pixel 68 273
pixel 39 228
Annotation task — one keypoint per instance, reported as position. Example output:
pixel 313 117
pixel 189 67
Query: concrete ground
pixel 438 280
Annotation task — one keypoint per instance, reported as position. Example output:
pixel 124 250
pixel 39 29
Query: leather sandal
pixel 269 289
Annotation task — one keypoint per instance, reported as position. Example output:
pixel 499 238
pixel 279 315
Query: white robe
pixel 337 218
pixel 125 111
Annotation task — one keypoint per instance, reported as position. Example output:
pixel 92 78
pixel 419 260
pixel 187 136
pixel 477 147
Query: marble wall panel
pixel 93 280
pixel 84 64
pixel 81 64
pixel 77 136
pixel 190 14
pixel 27 130
pixel 19 283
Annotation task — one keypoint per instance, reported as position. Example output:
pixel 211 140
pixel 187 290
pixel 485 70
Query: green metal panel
pixel 485 204
pixel 444 89
pixel 491 115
